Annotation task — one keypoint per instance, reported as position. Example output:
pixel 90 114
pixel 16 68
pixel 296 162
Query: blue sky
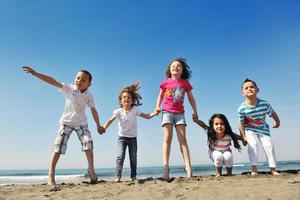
pixel 123 41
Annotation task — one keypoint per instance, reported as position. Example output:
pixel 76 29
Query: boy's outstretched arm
pixel 100 128
pixel 193 103
pixel 45 78
pixel 276 119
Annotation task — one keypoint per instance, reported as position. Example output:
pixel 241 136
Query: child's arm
pixel 100 128
pixel 239 137
pixel 276 119
pixel 193 103
pixel 158 101
pixel 149 115
pixel 43 77
pixel 200 123
pixel 109 121
pixel 242 133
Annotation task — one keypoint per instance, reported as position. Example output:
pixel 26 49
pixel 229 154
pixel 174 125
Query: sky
pixel 124 41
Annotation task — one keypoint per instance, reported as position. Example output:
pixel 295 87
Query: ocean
pixel 39 176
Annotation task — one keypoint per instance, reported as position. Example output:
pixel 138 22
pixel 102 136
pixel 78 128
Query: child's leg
pixel 269 152
pixel 132 147
pixel 184 148
pixel 218 159
pixel 122 145
pixel 218 171
pixel 90 158
pixel 229 171
pixel 252 150
pixel 228 162
pixel 51 173
pixel 167 140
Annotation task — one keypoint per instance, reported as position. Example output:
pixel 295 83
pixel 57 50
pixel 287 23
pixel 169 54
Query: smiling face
pixel 82 81
pixel 219 127
pixel 126 100
pixel 249 89
pixel 176 70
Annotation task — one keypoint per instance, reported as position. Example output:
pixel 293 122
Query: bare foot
pixel 93 176
pixel 51 180
pixel 274 173
pixel 188 171
pixel 166 173
pixel 254 173
pixel 118 180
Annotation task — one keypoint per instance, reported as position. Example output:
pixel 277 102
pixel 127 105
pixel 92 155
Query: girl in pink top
pixel 172 91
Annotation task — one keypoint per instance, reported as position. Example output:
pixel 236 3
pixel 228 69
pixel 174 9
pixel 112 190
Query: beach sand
pixel 262 186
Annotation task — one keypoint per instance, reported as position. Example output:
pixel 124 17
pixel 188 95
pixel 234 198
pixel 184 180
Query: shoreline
pixel 244 186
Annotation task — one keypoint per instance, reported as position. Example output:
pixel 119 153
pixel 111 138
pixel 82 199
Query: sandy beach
pixel 245 186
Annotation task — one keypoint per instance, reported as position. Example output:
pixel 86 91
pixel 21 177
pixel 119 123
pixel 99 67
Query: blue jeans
pixel 123 142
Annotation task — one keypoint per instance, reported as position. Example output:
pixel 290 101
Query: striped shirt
pixel 254 117
pixel 222 144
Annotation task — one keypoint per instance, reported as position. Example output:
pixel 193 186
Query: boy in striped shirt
pixel 253 126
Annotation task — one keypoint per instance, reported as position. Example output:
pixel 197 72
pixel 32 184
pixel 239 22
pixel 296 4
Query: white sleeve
pixel 91 102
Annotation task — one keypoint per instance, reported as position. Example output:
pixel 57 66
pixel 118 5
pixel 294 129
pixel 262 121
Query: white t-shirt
pixel 127 121
pixel 74 113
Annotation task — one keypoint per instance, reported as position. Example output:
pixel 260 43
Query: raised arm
pixel 95 115
pixel 43 77
pixel 193 103
pixel 276 119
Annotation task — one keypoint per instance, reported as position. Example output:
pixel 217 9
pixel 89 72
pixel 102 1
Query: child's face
pixel 126 100
pixel 176 69
pixel 219 126
pixel 249 89
pixel 82 81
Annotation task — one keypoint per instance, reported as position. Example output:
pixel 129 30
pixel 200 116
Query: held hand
pixel 276 125
pixel 195 117
pixel 100 129
pixel 28 69
pixel 244 141
pixel 157 111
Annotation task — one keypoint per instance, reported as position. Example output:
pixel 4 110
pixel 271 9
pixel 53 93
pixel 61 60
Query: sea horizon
pixel 77 175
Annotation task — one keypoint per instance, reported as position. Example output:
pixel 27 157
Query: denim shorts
pixel 172 118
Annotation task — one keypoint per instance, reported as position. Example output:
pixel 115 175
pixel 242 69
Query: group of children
pixel 252 113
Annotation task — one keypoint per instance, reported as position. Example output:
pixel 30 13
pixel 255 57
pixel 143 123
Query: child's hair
pixel 249 80
pixel 228 131
pixel 186 72
pixel 132 90
pixel 87 73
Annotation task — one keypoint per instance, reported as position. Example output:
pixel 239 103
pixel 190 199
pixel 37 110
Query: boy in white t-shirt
pixel 129 99
pixel 73 118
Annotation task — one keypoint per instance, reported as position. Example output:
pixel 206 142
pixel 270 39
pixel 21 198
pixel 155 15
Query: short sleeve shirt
pixel 76 101
pixel 174 91
pixel 254 117
pixel 127 122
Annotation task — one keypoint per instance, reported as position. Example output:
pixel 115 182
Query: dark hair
pixel 87 73
pixel 212 137
pixel 249 80
pixel 132 90
pixel 186 72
